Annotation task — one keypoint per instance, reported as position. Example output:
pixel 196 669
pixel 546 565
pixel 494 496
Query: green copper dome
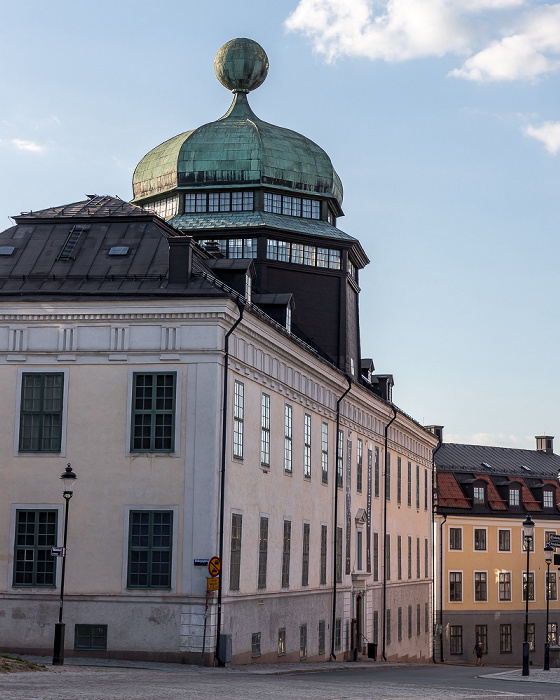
pixel 238 150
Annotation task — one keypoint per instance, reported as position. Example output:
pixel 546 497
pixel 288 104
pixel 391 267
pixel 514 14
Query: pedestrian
pixel 479 651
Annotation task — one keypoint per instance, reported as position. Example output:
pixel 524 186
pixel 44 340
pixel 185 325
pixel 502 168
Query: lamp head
pixel 548 552
pixel 528 526
pixel 68 479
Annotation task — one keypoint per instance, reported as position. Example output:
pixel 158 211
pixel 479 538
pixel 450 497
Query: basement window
pixel 90 637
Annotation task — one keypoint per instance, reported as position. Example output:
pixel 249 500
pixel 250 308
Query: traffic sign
pixel 554 540
pixel 212 583
pixel 215 566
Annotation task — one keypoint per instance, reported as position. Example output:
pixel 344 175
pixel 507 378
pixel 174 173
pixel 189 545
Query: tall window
pixel 504 585
pixel 337 633
pixel 303 641
pixel 35 535
pixel 282 641
pixel 417 486
pixel 338 562
pixel 480 539
pixel 409 485
pixel 426 558
pixel 409 621
pixel 339 454
pixel 149 549
pixel 514 496
pixel 530 635
pixel 305 556
pixel 153 412
pixel 375 626
pixel 263 551
pixel 553 633
pixel 288 426
pixel 530 586
pixel 417 618
pixel 548 499
pixel 480 585
pixel 409 558
pixel 307 446
pixel 375 556
pixel 286 553
pixel 323 567
pixel 255 644
pixel 359 550
pixel 504 540
pixel 359 468
pixel 455 586
pixel 399 623
pixel 322 637
pixel 551 588
pixel 388 475
pixel 265 430
pixel 425 489
pixel 41 412
pixel 388 557
pixel 388 626
pixel 399 479
pixel 481 635
pixel 399 555
pixel 238 417
pixel 376 474
pixel 505 639
pixel 417 557
pixel 455 639
pixel 325 453
pixel 235 551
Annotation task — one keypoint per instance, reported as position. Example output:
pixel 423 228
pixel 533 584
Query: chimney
pixel 180 260
pixel 437 430
pixel 545 443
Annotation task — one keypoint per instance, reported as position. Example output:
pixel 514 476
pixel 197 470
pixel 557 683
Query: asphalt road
pixel 169 682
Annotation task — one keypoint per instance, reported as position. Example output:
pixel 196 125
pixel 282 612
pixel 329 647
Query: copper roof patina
pixel 238 150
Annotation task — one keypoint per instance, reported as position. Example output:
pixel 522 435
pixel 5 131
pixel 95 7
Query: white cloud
pixel 526 46
pixel 548 133
pixel 534 50
pixel 22 145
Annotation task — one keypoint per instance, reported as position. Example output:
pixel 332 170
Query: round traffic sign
pixel 215 566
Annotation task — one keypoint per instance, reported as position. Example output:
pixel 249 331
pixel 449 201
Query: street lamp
pixel 548 551
pixel 68 480
pixel 528 526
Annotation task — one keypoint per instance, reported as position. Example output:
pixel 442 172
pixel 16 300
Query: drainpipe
pixel 338 403
pixel 434 595
pixel 223 471
pixel 385 536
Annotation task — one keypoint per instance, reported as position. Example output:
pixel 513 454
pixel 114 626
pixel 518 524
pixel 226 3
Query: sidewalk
pixel 536 675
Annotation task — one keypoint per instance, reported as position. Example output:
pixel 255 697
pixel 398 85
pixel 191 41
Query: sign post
pixel 212 583
pixel 554 541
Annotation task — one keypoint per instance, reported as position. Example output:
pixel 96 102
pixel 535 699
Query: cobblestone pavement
pixel 143 681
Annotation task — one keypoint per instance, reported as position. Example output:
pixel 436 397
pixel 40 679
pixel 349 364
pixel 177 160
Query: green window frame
pixel 36 533
pixel 153 412
pixel 150 546
pixel 42 398
pixel 90 637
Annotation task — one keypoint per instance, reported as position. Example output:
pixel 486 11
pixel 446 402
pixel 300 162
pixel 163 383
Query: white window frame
pixel 455 527
pixel 480 571
pixel 41 369
pixel 506 600
pixel 238 421
pixel 152 369
pixel 455 571
pixel 503 551
pixel 288 438
pixel 552 573
pixel 307 446
pixel 265 430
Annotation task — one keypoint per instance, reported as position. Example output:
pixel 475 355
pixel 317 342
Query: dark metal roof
pixel 94 205
pixel 496 461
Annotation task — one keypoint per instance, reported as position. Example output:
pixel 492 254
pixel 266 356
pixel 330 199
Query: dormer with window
pixel 479 494
pixel 514 496
pixel 548 499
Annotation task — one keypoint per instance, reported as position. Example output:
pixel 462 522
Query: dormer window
pixel 479 495
pixel 514 499
pixel 548 499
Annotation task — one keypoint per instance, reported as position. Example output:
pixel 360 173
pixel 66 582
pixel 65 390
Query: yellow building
pixel 483 497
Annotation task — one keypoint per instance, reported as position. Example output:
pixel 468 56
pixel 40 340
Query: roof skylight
pixel 6 249
pixel 527 469
pixel 119 250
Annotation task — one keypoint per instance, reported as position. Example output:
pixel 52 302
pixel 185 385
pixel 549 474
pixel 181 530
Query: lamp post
pixel 548 550
pixel 68 480
pixel 528 526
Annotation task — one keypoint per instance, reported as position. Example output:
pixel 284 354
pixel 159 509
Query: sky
pixel 442 118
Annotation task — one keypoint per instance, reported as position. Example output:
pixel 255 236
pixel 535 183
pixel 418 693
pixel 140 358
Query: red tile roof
pixel 494 500
pixel 449 492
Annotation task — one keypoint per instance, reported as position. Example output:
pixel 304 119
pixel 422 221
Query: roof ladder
pixel 71 242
